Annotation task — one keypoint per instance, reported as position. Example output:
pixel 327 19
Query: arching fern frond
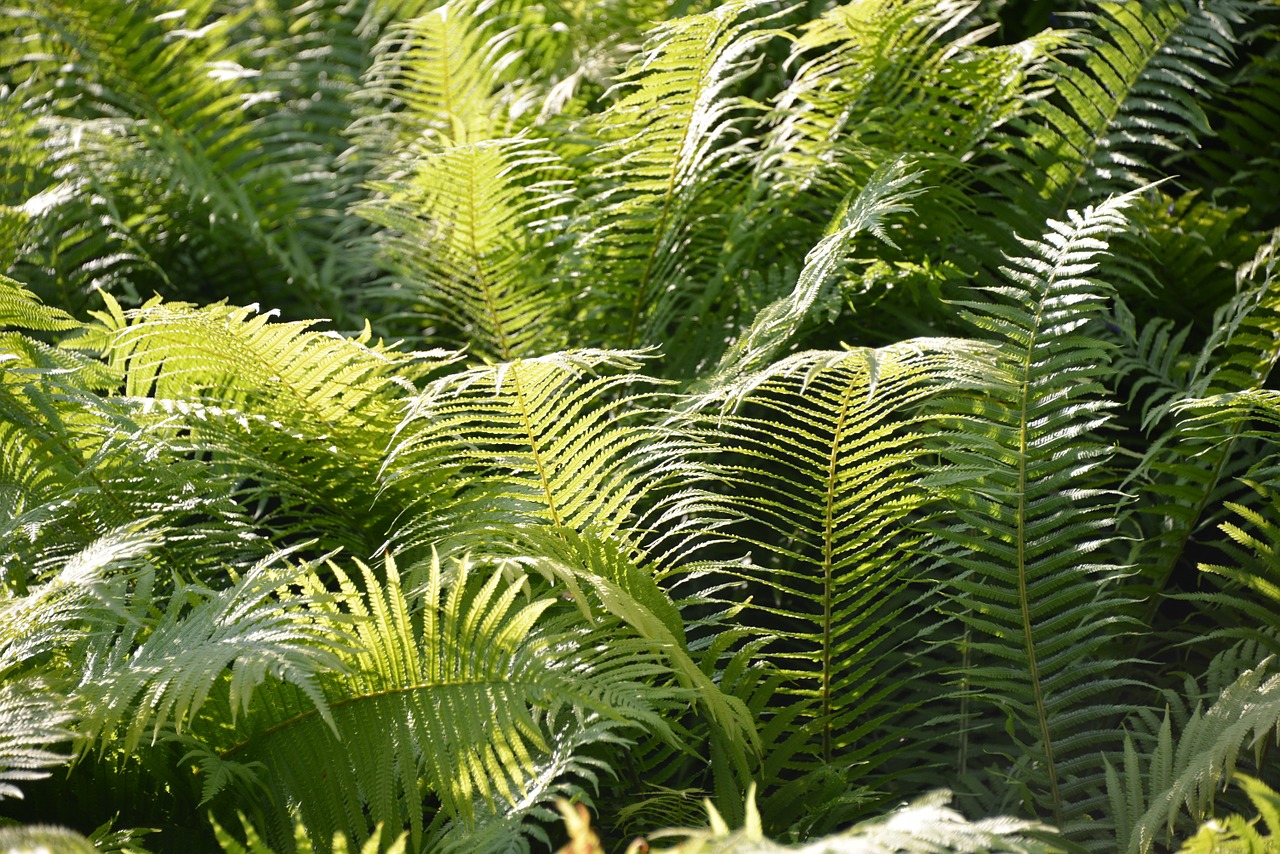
pixel 1188 469
pixel 627 592
pixel 560 440
pixel 1132 95
pixel 463 206
pixel 432 81
pixel 154 673
pixel 655 214
pixel 886 193
pixel 875 80
pixel 821 475
pixel 77 464
pixel 464 684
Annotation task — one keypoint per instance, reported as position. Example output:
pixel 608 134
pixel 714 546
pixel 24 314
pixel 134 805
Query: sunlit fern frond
pixel 324 385
pixel 820 471
pixel 74 595
pixel 1130 97
pixel 460 236
pixel 892 78
pixel 560 440
pixel 873 82
pixel 290 420
pixel 150 677
pixel 1038 583
pixel 462 690
pixel 33 718
pixel 602 577
pixel 253 842
pixel 463 207
pixel 566 55
pixel 654 220
pixel 431 82
pixel 78 464
pixel 816 295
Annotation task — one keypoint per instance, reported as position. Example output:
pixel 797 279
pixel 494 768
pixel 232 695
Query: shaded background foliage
pixel 635 401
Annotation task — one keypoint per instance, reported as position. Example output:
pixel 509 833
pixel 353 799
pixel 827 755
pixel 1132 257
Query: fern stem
pixel 481 279
pixel 828 561
pixel 1024 602
pixel 533 445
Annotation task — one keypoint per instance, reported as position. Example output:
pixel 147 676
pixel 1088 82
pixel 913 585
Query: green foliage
pixel 1237 834
pixel 415 415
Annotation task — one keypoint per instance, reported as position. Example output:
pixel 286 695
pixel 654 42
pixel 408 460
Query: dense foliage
pixel 834 402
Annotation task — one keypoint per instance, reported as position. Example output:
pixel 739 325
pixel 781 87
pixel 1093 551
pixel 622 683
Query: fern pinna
pixel 423 423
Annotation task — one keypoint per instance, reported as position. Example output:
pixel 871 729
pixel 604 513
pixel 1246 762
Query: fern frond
pixel 255 844
pixel 33 718
pixel 1033 519
pixel 235 354
pixel 459 684
pixel 154 674
pixel 77 465
pixel 1133 94
pixel 886 193
pixel 628 592
pixel 893 78
pixel 459 233
pixel 825 505
pixel 1239 834
pixel 558 440
pixel 21 309
pixel 432 78
pixel 656 203
pixel 1180 776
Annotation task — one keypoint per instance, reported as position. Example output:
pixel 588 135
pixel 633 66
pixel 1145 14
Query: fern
pixel 1181 776
pixel 1132 97
pixel 825 512
pixel 32 718
pixel 559 440
pixel 657 198
pixel 412 699
pixel 698 463
pixel 1042 603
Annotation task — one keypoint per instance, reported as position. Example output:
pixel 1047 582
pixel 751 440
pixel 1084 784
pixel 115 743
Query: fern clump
pixel 419 416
